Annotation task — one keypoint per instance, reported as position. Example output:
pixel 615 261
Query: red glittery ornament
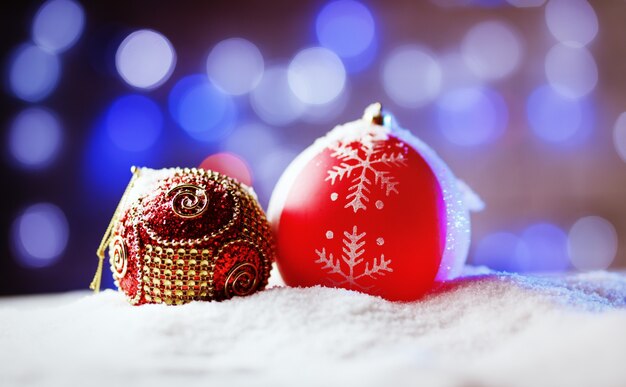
pixel 370 208
pixel 181 235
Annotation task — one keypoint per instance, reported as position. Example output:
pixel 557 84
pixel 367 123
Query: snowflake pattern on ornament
pixel 365 161
pixel 348 266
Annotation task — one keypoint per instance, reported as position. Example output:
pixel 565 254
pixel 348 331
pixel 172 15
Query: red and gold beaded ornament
pixel 181 235
pixel 369 207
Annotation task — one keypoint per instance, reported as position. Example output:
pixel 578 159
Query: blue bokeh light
pixel 134 122
pixel 472 116
pixel 558 119
pixel 58 24
pixel 39 235
pixel 35 136
pixel 547 245
pixel 202 110
pixel 106 166
pixel 33 73
pixel 503 251
pixel 347 27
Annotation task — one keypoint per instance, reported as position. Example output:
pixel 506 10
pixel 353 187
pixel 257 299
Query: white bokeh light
pixel 592 243
pixel 34 137
pixel 235 66
pixel 411 76
pixel 58 25
pixel 318 114
pixel 572 22
pixel 456 73
pixel 492 49
pixel 40 234
pixel 33 73
pixel 571 71
pixel 619 136
pixel 273 100
pixel 316 75
pixel 145 59
pixel 251 141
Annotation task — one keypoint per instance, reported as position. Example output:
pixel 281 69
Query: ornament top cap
pixel 374 113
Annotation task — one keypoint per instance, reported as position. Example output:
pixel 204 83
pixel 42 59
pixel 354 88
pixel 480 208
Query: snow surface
pixel 484 329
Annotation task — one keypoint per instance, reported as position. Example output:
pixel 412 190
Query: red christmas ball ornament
pixel 369 207
pixel 182 235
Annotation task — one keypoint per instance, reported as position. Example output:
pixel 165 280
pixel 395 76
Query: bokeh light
pixel 58 24
pixel 619 136
pixel 35 136
pixel 229 164
pixel 411 76
pixel 547 245
pixel 592 243
pixel 526 3
pixel 572 22
pixel 40 234
pixel 251 141
pixel 503 251
pixel 511 84
pixel 134 122
pixel 558 119
pixel 492 49
pixel 326 113
pixel 347 27
pixel 33 73
pixel 105 167
pixel 572 71
pixel 203 111
pixel 455 72
pixel 316 75
pixel 235 66
pixel 273 100
pixel 145 59
pixel 471 116
pixel 269 170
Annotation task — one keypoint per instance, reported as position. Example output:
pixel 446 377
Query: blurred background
pixel 524 99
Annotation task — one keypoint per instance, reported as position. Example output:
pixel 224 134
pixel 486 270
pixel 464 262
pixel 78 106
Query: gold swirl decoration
pixel 119 260
pixel 242 280
pixel 189 200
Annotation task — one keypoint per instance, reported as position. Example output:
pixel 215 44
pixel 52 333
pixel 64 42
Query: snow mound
pixel 484 329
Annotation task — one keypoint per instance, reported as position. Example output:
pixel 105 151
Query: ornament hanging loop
pixel 374 114
pixel 97 278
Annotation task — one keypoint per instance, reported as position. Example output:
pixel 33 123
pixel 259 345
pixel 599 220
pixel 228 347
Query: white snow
pixel 484 329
